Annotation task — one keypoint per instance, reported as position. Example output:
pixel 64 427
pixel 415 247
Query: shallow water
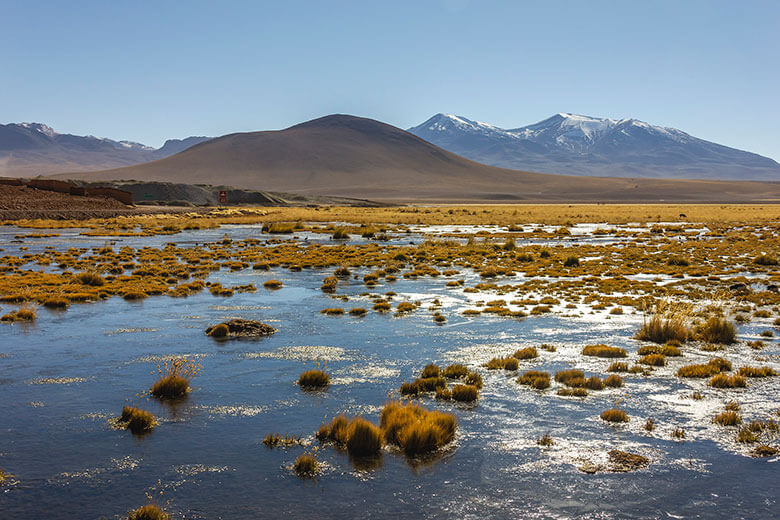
pixel 64 377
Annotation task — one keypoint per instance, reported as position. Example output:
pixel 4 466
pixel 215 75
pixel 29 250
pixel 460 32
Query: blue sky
pixel 147 71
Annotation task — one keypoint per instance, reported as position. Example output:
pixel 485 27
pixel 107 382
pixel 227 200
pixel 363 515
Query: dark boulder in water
pixel 238 328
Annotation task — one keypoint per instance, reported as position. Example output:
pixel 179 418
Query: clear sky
pixel 148 71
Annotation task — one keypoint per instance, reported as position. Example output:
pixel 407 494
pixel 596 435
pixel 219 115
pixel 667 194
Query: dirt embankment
pixel 20 202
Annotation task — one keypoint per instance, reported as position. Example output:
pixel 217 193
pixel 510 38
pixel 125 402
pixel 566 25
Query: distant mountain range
pixel 571 144
pixel 32 149
pixel 348 156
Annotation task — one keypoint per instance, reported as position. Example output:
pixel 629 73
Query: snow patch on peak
pixel 39 127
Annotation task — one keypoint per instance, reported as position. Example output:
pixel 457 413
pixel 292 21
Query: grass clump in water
pixel 727 381
pixel 414 429
pixel 712 367
pixel 526 353
pixel 567 377
pixel 148 512
pixel 654 360
pixel 274 440
pixel 358 311
pixel 535 379
pixel 91 279
pixel 465 393
pixel 572 392
pixel 509 363
pixel 273 284
pixel 614 381
pixel 136 420
pixel 456 371
pixel 219 331
pixel 364 439
pixel 545 440
pixel 306 466
pixel 618 366
pixel 56 302
pixel 614 415
pixel 604 351
pixel 430 370
pixel 175 376
pixel 24 315
pixel 333 311
pixel 313 379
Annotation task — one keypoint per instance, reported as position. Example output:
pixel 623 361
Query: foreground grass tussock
pixel 136 420
pixel 712 367
pixel 614 415
pixel 148 512
pixel 313 379
pixel 604 351
pixel 415 430
pixel 175 376
pixel 306 466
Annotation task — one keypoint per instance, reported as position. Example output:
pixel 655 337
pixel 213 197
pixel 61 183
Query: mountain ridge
pixel 574 144
pixel 32 149
pixel 348 156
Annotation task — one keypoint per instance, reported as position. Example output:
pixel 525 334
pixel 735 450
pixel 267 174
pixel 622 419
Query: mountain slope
pixel 349 156
pixel 32 149
pixel 580 145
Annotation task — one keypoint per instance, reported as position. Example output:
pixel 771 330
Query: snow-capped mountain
pixel 582 145
pixel 32 149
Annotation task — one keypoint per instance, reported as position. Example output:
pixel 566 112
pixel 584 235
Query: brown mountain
pixel 341 155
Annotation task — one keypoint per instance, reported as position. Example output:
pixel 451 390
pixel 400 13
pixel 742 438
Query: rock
pixel 623 461
pixel 589 468
pixel 238 328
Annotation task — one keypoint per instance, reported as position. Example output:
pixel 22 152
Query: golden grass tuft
pixel 604 351
pixel 170 387
pixel 175 376
pixel 455 371
pixel 718 330
pixel 465 393
pixel 508 363
pixel 535 379
pixel 727 381
pixel 430 370
pixel 363 438
pixel 358 311
pixel 275 440
pixel 757 372
pixel 306 466
pixel 567 376
pixel 414 429
pixel 333 311
pixel 136 420
pixel 526 353
pixel 654 360
pixel 314 379
pixel 614 415
pixel 661 330
pixel 727 418
pixel 712 367
pixel 56 302
pixel 148 512
pixel 614 381
pixel 273 284
pixel 26 314
pixel 219 331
